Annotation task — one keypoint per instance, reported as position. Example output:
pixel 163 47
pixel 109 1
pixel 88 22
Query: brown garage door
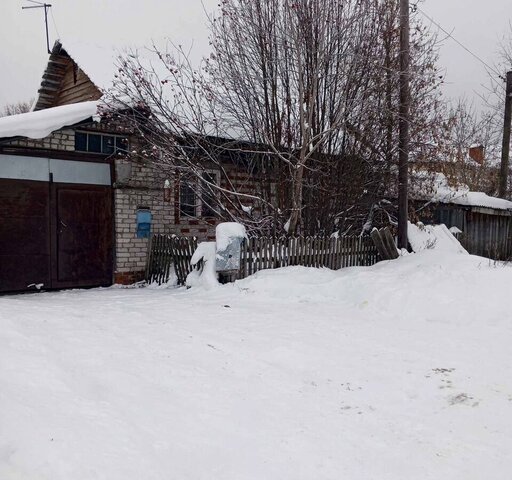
pixel 54 234
pixel 24 235
pixel 83 246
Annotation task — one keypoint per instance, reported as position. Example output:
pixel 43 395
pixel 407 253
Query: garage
pixel 56 225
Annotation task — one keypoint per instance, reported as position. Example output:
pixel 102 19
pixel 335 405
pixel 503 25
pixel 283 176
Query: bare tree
pixel 308 90
pixel 472 129
pixel 16 108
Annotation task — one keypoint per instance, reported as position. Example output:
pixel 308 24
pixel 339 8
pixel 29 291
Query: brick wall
pixel 60 140
pixel 142 186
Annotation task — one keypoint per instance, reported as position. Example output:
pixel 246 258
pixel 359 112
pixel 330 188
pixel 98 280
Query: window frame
pixel 118 140
pixel 198 195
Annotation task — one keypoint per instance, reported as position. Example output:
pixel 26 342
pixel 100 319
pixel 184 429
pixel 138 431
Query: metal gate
pixel 55 223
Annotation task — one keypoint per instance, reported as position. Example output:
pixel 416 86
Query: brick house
pixel 74 210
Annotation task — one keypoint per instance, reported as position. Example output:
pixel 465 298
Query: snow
pixel 398 371
pixel 226 232
pixel 41 123
pixel 207 275
pixel 423 237
pixel 442 192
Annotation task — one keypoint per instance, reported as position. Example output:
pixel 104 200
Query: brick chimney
pixel 477 153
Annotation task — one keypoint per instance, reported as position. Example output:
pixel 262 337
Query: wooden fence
pixel 166 252
pixel 259 253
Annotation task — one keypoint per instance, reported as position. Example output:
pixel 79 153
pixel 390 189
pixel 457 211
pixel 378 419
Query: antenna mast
pixel 46 6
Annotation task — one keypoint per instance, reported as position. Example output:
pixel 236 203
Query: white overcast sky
pixel 478 24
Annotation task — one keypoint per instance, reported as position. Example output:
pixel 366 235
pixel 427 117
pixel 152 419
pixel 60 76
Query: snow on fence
pixel 259 253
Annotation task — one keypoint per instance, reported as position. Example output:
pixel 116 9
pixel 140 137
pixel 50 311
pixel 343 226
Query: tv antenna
pixel 46 7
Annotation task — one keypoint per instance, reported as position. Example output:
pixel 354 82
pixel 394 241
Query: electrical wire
pixel 474 55
pixel 54 24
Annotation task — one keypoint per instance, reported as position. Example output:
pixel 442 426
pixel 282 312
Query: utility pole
pixel 505 147
pixel 46 6
pixel 403 124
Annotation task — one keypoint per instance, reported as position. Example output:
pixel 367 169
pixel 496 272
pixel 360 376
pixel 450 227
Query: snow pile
pixel 43 122
pixel 423 237
pixel 398 371
pixel 226 232
pixel 436 188
pixel 205 276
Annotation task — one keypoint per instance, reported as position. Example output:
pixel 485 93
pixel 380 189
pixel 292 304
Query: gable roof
pixel 75 73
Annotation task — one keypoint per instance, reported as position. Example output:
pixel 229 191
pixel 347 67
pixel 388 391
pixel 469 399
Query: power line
pixel 474 55
pixel 54 24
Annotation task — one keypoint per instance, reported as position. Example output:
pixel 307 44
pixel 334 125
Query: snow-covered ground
pixel 398 371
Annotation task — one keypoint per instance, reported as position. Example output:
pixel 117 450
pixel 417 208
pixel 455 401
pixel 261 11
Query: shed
pixel 485 222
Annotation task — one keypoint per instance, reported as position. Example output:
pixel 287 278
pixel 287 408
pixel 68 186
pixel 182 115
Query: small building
pixel 74 210
pixel 482 223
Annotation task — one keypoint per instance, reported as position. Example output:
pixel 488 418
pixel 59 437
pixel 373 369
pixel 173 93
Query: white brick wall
pixel 60 140
pixel 143 188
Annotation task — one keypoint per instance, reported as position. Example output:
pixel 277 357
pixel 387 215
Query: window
pixel 94 143
pixel 188 199
pixel 199 200
pixel 98 143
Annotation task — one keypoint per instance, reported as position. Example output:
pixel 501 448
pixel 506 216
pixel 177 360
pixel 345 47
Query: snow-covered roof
pixel 435 187
pixel 41 123
pixel 478 199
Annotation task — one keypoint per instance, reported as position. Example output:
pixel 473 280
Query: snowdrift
pixel 397 371
pixel 438 237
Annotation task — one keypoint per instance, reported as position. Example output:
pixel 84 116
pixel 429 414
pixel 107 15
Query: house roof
pixel 435 187
pixel 97 64
pixel 41 123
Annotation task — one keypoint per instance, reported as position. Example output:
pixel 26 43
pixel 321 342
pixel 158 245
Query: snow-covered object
pixel 247 209
pixel 435 187
pixel 207 276
pixel 43 122
pixel 438 237
pixel 227 231
pixel 455 230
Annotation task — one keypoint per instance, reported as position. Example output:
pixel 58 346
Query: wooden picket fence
pixel 261 253
pixel 166 252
